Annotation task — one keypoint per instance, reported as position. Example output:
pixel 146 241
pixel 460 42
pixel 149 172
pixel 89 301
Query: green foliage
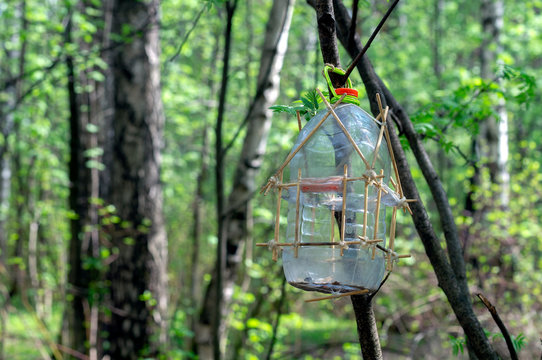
pixel 446 102
pixel 459 344
pixel 307 106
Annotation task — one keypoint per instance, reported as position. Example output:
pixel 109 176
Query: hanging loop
pixel 351 94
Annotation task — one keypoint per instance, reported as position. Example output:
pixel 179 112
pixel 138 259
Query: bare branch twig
pixel 500 324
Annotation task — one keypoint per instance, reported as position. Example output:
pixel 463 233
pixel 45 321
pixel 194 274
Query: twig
pixel 185 38
pixel 368 44
pixel 277 319
pixel 353 24
pixel 501 326
pixel 371 296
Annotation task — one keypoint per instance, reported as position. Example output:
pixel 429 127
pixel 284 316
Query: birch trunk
pixel 248 166
pixel 493 138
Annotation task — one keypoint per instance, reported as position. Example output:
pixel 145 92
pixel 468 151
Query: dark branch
pixel 367 330
pixel 500 324
pixel 328 38
pixel 451 275
pixel 353 23
pixel 369 42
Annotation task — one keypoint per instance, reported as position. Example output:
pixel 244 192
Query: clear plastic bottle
pixel 322 160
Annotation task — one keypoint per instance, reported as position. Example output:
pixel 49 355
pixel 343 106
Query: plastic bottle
pixel 322 160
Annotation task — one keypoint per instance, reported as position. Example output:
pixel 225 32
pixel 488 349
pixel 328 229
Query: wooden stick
pixel 293 153
pixel 392 155
pixel 277 220
pixel 367 241
pixel 366 199
pixel 379 103
pixel 390 149
pixel 357 292
pixel 363 178
pixel 378 198
pixel 345 131
pixel 313 223
pixel 392 228
pixel 379 141
pixel 332 238
pixel 393 183
pixel 332 243
pixel 279 244
pixel 343 215
pixel 296 241
pixel 298 120
pixel 384 114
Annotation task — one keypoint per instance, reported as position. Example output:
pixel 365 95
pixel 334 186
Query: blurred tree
pixel 87 96
pixel 235 214
pixel 138 275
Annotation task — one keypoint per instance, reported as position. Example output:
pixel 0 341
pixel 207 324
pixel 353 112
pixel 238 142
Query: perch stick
pixel 365 240
pixel 363 178
pixel 332 237
pixel 379 103
pixel 290 157
pixel 345 131
pixel 296 241
pixel 298 120
pixel 387 250
pixel 394 184
pixel 384 116
pixel 390 149
pixel 366 205
pixel 392 155
pixel 277 220
pixel 379 196
pixel 279 244
pixel 313 223
pixel 379 141
pixel 343 215
pixel 392 228
pixel 334 243
pixel 356 292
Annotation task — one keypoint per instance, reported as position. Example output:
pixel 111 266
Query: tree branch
pixel 371 38
pixel 366 323
pixel 500 324
pixel 363 309
pixel 353 23
pixel 451 275
pixel 328 38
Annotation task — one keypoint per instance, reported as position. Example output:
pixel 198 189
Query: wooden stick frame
pixel 371 178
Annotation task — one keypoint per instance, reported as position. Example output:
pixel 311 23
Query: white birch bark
pixel 494 131
pixel 248 166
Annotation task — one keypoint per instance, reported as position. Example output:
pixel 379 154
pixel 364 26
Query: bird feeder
pixel 340 178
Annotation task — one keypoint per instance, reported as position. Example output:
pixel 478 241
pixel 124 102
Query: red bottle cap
pixel 347 91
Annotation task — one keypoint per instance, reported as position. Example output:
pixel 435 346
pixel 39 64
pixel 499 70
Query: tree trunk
pixel 258 120
pixel 138 277
pixel 366 324
pixel 80 327
pixel 493 139
pixel 450 273
pixel 493 136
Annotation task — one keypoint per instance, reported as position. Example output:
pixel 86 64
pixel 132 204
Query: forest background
pixel 465 71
